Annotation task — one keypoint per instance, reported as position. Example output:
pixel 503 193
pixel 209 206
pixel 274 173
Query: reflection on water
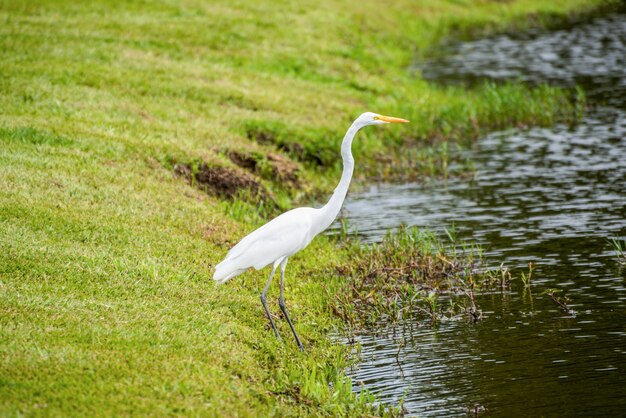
pixel 551 196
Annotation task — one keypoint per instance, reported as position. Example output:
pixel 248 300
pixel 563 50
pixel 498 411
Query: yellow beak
pixel 390 119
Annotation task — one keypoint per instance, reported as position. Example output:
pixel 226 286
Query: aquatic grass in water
pixel 407 273
pixel 619 246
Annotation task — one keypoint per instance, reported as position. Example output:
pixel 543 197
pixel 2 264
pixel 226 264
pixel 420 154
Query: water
pixel 550 196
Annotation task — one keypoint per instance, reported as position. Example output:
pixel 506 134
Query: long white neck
pixel 329 212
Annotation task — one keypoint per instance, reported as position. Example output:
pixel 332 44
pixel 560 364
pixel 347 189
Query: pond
pixel 550 196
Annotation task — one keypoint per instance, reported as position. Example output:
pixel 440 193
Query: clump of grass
pixel 29 135
pixel 325 389
pixel 408 273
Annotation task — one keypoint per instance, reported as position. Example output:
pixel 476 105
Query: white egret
pixel 285 235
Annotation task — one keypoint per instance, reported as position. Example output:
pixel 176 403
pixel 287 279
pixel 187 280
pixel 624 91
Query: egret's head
pixel 369 118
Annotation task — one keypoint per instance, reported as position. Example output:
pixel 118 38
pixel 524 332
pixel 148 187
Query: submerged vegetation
pixel 139 140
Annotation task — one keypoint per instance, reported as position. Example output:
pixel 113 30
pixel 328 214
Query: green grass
pixel 106 294
pixel 107 306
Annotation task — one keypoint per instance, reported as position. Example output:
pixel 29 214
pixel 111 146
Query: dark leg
pixel 281 303
pixel 267 311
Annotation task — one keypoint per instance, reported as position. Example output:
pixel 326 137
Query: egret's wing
pixel 281 237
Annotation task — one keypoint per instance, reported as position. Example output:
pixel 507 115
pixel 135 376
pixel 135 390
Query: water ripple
pixel 548 195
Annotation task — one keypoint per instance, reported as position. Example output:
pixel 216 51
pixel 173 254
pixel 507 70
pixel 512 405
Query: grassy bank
pixel 106 301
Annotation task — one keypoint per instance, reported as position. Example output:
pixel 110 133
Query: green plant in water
pixel 451 233
pixel 431 302
pixel 619 246
pixel 526 279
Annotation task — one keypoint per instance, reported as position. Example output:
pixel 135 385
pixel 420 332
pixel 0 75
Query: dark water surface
pixel 550 196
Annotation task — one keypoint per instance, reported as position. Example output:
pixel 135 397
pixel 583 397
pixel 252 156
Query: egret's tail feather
pixel 225 271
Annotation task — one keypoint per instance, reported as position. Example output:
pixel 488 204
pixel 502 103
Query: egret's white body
pixel 275 241
pixel 285 235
